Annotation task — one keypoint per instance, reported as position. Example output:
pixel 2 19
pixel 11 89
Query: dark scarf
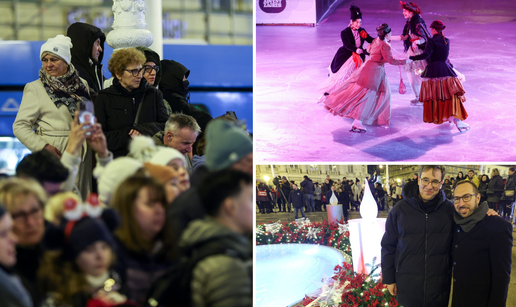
pixel 67 89
pixel 467 223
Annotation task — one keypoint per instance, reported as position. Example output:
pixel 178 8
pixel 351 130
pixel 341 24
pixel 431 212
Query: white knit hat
pixel 110 177
pixel 165 155
pixel 60 46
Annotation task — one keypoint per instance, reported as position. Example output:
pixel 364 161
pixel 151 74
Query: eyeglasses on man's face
pixel 135 72
pixel 148 68
pixel 465 198
pixel 435 183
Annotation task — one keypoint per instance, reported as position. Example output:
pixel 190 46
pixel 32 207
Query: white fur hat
pixel 60 46
pixel 110 177
pixel 165 155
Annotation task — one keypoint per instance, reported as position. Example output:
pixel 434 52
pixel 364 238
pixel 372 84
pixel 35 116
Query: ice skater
pixel 415 35
pixel 442 93
pixel 366 95
pixel 350 56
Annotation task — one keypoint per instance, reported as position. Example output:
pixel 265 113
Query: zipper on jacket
pixel 426 259
pixel 97 77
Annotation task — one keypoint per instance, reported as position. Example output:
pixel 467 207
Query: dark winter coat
pixel 138 270
pixel 116 109
pixel 12 292
pixel 348 47
pixel 285 188
pixel 296 198
pixel 496 186
pixel 416 250
pixel 510 185
pixel 83 36
pixel 417 26
pixel 436 55
pixel 482 188
pixel 482 263
pixel 308 186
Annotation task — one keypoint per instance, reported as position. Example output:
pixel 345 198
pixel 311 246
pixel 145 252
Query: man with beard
pixel 483 243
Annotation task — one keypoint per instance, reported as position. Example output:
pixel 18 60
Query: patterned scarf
pixel 67 89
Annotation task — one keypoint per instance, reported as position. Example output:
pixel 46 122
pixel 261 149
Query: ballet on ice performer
pixel 350 56
pixel 442 93
pixel 415 35
pixel 366 96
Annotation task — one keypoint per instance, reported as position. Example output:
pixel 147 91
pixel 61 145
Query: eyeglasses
pixel 464 198
pixel 426 181
pixel 22 215
pixel 135 72
pixel 148 68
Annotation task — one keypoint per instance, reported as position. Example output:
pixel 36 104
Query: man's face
pixel 333 188
pixel 511 172
pixel 470 174
pixel 294 186
pixel 245 164
pixel 431 177
pixel 182 141
pixel 96 50
pixel 465 208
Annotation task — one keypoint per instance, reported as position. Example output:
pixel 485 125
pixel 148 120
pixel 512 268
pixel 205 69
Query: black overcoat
pixel 348 47
pixel 482 263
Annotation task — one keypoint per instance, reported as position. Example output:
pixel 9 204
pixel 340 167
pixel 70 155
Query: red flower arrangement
pixel 363 34
pixel 322 233
pixel 360 291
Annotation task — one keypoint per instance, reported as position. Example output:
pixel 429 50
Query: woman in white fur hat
pixel 48 106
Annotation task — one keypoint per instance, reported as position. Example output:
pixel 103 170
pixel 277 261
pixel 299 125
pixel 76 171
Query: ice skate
pixel 357 127
pixel 416 102
pixel 462 126
pixel 322 98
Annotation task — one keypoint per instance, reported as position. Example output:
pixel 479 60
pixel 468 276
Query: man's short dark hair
pixel 475 189
pixel 472 171
pixel 424 168
pixel 43 166
pixel 219 185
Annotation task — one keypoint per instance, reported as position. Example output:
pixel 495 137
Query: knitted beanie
pixel 60 46
pixel 85 232
pixel 226 143
pixel 166 154
pixel 110 177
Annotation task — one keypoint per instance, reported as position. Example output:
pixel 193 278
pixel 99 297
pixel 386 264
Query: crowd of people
pixel 115 199
pixel 310 196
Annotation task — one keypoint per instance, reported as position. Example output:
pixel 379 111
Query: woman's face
pixel 184 179
pixel 149 214
pixel 150 72
pixel 8 241
pixel 355 24
pixel 95 260
pixel 28 221
pixel 407 14
pixel 54 65
pixel 484 178
pixel 131 77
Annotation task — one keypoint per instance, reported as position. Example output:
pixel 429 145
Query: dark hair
pixel 43 166
pixel 475 189
pixel 424 168
pixel 383 30
pixel 219 185
pixel 512 169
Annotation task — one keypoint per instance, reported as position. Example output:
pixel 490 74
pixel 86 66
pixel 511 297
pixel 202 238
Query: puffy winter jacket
pixel 308 186
pixel 416 250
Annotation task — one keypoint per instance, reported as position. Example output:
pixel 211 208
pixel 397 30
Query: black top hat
pixel 355 12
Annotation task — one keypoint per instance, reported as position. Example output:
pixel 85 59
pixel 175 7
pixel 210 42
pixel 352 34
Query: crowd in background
pixel 172 217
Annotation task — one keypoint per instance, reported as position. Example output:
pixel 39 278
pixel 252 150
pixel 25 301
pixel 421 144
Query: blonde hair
pixel 13 188
pixel 124 57
pixel 54 208
pixel 495 172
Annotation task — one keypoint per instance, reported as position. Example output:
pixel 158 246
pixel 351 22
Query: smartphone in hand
pixel 86 114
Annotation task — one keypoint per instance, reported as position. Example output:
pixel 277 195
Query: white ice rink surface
pixel 286 272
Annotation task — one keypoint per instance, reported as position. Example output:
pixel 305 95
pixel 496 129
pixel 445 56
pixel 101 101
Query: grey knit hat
pixel 226 143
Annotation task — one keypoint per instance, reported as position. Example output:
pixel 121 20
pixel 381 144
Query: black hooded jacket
pixel 416 249
pixel 116 110
pixel 83 36
pixel 172 86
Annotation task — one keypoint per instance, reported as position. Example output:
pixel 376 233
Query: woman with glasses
pixel 151 69
pixel 48 106
pixel 130 106
pixel 24 200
